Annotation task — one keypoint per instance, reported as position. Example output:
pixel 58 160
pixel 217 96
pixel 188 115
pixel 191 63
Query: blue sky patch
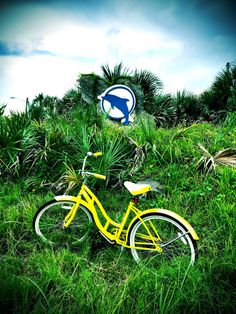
pixel 6 50
pixel 185 43
pixel 41 53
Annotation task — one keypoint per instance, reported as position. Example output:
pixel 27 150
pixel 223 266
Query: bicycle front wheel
pixel 159 238
pixel 48 223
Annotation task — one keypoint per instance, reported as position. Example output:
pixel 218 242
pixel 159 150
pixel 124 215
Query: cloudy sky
pixel 45 44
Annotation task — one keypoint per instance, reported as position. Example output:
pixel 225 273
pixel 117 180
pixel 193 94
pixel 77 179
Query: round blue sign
pixel 118 102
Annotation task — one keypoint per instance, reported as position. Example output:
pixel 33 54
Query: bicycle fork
pixel 71 215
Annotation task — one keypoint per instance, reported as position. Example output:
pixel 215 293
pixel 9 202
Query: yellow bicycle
pixel 157 234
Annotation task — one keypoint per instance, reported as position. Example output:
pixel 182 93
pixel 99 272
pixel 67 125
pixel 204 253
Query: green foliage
pixel 230 121
pixel 43 107
pixel 41 151
pixel 221 97
pixel 91 86
pixel 96 277
pixel 169 110
pixel 187 107
pixel 16 141
pixel 116 75
pixel 143 83
pixel 117 154
pixel 163 109
pixel 2 109
pixel 224 90
pixel 149 82
pixel 71 99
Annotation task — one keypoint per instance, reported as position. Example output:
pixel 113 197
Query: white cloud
pixel 81 46
pixel 27 77
pixel 195 78
pixel 136 42
pixel 76 41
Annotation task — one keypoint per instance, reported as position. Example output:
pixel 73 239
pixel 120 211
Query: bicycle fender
pixel 169 213
pixel 66 198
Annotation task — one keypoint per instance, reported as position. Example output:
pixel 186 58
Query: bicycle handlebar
pixel 96 175
pixel 89 154
pixel 97 154
pixel 99 176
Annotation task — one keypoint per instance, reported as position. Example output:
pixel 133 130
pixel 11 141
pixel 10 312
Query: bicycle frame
pixel 117 234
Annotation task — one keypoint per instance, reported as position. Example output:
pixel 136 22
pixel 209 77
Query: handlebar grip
pixel 99 176
pixel 97 154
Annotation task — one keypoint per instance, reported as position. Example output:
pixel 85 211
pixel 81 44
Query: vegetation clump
pixel 184 142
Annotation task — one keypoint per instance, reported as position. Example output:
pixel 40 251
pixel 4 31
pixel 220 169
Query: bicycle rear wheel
pixel 48 223
pixel 169 234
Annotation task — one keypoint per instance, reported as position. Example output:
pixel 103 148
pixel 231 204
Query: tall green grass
pixel 97 277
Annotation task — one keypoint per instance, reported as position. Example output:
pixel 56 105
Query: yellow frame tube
pixel 167 213
pixel 87 199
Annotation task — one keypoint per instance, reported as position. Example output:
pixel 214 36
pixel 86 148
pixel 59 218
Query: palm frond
pixel 70 177
pixel 149 81
pixel 162 108
pixel 226 157
pixel 139 156
pixel 112 76
pixel 209 162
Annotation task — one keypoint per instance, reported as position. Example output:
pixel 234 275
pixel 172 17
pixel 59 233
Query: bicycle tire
pixel 181 244
pixel 48 223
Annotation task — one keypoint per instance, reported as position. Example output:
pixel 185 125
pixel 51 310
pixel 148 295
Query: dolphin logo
pixel 119 103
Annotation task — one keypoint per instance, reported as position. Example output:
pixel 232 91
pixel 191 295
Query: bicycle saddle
pixel 137 188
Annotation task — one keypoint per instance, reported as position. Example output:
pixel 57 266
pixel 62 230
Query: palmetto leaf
pixel 43 107
pixel 226 157
pixel 70 177
pixel 71 99
pixel 208 162
pixel 112 76
pixel 15 137
pixel 139 156
pixel 223 90
pixel 162 108
pixel 187 105
pixel 149 81
pixel 207 154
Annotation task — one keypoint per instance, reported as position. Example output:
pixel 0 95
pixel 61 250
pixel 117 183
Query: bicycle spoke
pixel 49 223
pixel 165 240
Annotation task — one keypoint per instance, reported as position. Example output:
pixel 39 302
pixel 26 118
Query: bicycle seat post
pixel 135 199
